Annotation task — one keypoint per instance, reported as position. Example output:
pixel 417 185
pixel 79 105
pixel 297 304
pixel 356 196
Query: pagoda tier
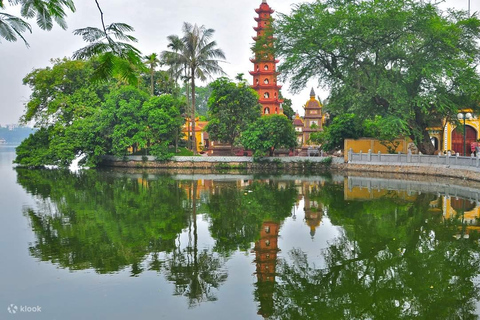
pixel 268 86
pixel 255 60
pixel 265 65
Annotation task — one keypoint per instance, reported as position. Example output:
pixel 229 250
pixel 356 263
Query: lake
pixel 120 244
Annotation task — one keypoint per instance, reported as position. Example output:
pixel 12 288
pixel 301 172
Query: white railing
pixel 409 158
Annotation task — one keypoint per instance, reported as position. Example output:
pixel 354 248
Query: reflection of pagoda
pixel 264 64
pixel 313 211
pixel 266 250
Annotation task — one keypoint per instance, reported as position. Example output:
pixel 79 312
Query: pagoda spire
pixel 264 64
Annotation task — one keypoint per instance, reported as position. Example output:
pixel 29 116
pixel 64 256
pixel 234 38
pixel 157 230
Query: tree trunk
pixel 151 81
pixel 194 140
pixel 187 93
pixel 423 143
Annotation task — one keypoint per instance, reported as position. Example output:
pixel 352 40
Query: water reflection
pixel 404 250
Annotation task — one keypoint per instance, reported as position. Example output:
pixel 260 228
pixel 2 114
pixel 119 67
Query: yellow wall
pixel 365 144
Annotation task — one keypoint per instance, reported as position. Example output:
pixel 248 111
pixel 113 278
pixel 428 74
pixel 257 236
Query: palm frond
pixel 12 27
pixel 120 27
pixel 44 19
pixel 91 50
pixel 105 68
pixel 90 34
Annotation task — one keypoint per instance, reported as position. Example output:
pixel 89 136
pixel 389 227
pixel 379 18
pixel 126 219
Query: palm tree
pixel 115 55
pixel 45 13
pixel 152 61
pixel 197 56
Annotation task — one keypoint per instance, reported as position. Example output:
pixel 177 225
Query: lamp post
pixel 464 116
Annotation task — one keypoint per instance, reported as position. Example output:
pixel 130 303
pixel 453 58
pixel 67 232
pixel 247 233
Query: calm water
pixel 130 245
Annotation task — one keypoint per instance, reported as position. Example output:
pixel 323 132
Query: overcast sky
pixel 153 22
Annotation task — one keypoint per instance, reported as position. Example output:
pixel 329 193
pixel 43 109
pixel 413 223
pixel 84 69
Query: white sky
pixel 153 22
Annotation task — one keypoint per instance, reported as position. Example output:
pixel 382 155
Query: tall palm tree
pixel 152 61
pixel 196 55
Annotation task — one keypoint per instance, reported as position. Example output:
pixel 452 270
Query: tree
pixel 345 126
pixel 92 118
pixel 405 59
pixel 287 107
pixel 231 109
pixel 197 55
pixel 64 106
pixel 268 133
pixel 152 61
pixel 116 57
pixel 130 118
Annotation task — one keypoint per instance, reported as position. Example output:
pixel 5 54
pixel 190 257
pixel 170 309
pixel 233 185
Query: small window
pixel 267 243
pixel 256 81
pixel 266 81
pixel 265 67
pixel 267 229
pixel 266 95
pixel 267 111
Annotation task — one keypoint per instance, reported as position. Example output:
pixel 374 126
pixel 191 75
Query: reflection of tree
pixel 237 214
pixel 195 274
pixel 100 221
pixel 394 261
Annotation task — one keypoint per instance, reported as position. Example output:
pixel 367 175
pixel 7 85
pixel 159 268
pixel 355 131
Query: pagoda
pixel 264 64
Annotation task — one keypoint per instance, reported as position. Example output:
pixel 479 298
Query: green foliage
pixel 268 133
pixel 91 118
pixel 193 56
pixel 34 150
pixel 101 222
pixel 387 130
pixel 287 107
pixel 247 209
pixel 404 60
pixel 346 126
pixel 115 58
pixel 231 109
pixel 131 118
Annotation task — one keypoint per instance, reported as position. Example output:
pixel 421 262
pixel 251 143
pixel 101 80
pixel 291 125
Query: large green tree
pixel 64 106
pixel 393 58
pixel 196 55
pixel 231 109
pixel 268 133
pixel 92 118
pixel 132 118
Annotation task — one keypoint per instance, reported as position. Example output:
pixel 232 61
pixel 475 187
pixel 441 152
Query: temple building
pixel 311 122
pixel 264 64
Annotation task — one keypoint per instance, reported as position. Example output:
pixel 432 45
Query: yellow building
pixel 451 136
pixel 201 136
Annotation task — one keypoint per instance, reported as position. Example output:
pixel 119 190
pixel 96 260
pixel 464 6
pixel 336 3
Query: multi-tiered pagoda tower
pixel 264 63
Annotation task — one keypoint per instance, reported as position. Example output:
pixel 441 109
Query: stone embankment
pixel 286 164
pixel 465 168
